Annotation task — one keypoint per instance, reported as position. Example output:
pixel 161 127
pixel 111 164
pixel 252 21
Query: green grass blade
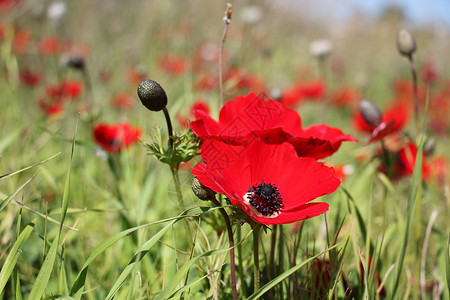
pixel 78 285
pixel 29 167
pixel 264 289
pixel 10 197
pixel 171 286
pixel 187 286
pixel 143 250
pixel 415 184
pixel 47 267
pixel 44 273
pixel 14 254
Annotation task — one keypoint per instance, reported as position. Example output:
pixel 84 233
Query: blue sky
pixel 419 12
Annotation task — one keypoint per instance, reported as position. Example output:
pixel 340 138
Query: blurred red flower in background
pixel 346 96
pixel 49 45
pixel 393 120
pixel 123 100
pixel 68 89
pixel 303 91
pixel 173 64
pixel 22 41
pixel 403 163
pixel 29 78
pixel 50 108
pixel 115 137
pixel 264 180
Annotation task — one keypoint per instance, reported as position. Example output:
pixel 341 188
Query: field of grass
pixel 89 211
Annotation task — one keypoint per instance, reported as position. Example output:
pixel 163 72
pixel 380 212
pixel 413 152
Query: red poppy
pixel 406 160
pixel 429 72
pixel 66 89
pixel 303 91
pixel 249 117
pixel 29 78
pixel 52 108
pixel 264 180
pixel 440 169
pixel 115 137
pixel 173 64
pixel 346 96
pixel 123 101
pixel 392 120
pixel 134 76
pixel 398 164
pixel 49 45
pixel 241 79
pixel 21 41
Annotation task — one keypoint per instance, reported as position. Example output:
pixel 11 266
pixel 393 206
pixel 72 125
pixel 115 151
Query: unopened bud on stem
pixel 370 112
pixel 152 95
pixel 406 44
pixel 201 191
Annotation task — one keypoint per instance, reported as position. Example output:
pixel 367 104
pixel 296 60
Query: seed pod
pixel 201 191
pixel 152 95
pixel 406 44
pixel 76 62
pixel 370 112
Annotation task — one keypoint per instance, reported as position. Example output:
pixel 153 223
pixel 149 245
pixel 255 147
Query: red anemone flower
pixel 49 45
pixel 115 137
pixel 303 91
pixel 172 64
pixel 393 120
pixel 52 108
pixel 264 180
pixel 406 160
pixel 29 78
pixel 123 101
pixel 246 118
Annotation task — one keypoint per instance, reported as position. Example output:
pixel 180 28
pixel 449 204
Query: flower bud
pixel 74 61
pixel 201 191
pixel 406 44
pixel 370 112
pixel 320 48
pixel 152 95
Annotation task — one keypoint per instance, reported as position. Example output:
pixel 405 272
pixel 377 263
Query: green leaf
pixel 14 254
pixel 10 197
pixel 264 289
pixel 143 250
pixel 78 285
pixel 169 288
pixel 47 267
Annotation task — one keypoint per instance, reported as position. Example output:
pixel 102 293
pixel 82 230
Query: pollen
pixel 265 199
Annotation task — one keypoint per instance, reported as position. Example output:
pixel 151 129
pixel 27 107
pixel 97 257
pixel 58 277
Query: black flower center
pixel 265 198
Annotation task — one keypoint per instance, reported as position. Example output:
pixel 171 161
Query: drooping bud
pixel 406 44
pixel 152 95
pixel 74 61
pixel 201 191
pixel 370 112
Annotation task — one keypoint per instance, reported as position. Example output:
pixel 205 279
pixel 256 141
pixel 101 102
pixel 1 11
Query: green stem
pixel 241 262
pixel 176 180
pixel 231 243
pixel 416 97
pixel 256 257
